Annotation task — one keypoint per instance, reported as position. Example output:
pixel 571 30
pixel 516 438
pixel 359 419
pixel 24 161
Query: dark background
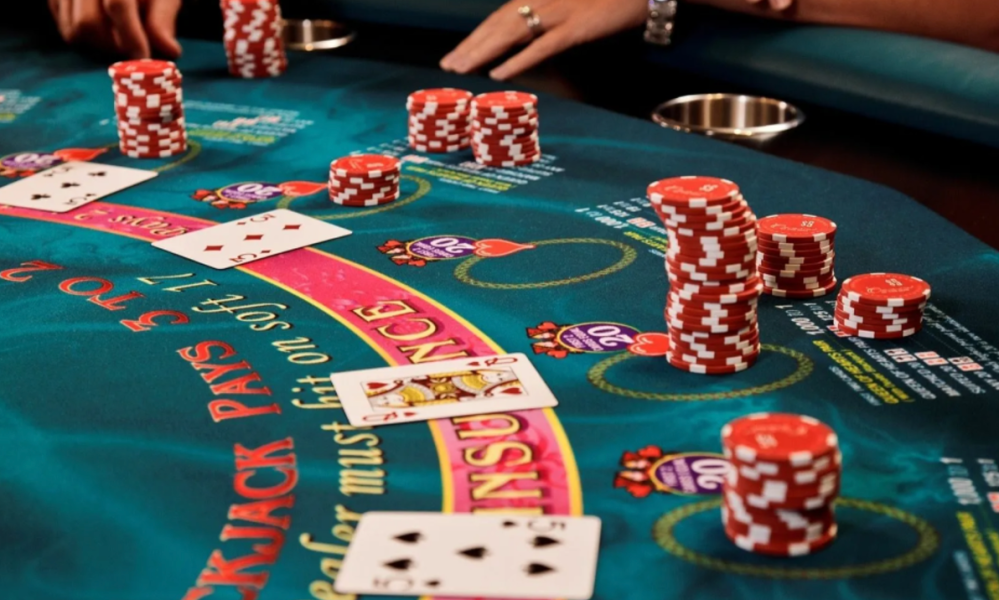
pixel 957 179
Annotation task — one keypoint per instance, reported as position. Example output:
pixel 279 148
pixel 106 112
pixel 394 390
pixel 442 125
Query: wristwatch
pixel 659 25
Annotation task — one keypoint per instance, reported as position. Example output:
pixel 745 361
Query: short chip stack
pixel 714 290
pixel 439 120
pixel 253 43
pixel 796 255
pixel 881 305
pixel 505 129
pixel 364 180
pixel 148 102
pixel 783 479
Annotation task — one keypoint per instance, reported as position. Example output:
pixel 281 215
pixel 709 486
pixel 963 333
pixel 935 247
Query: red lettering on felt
pixel 275 537
pixel 260 512
pixel 221 571
pixel 116 303
pixel 203 351
pixel 67 286
pixel 27 267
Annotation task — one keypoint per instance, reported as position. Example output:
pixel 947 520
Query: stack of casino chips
pixel 796 255
pixel 148 102
pixel 881 305
pixel 439 120
pixel 714 289
pixel 364 180
pixel 505 129
pixel 252 38
pixel 783 478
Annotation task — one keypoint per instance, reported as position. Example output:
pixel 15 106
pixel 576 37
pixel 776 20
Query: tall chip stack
pixel 148 102
pixel 364 180
pixel 796 255
pixel 881 305
pixel 783 479
pixel 439 120
pixel 714 289
pixel 505 129
pixel 252 38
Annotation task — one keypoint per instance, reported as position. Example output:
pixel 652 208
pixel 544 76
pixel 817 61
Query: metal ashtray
pixel 729 116
pixel 315 34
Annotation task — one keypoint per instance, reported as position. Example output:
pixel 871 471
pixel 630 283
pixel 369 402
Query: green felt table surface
pixel 131 468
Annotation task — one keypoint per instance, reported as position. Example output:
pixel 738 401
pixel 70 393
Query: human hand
pixel 132 28
pixel 778 5
pixel 564 23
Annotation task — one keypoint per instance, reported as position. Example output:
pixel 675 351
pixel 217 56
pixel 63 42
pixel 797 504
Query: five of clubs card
pixel 494 556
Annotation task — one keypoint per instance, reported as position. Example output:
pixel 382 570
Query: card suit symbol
pixel 292 227
pixel 39 196
pixel 650 344
pixel 98 174
pixel 212 248
pixel 410 538
pixel 403 564
pixel 538 569
pixel 516 391
pixel 409 414
pixel 376 385
pixel 265 251
pixel 496 248
pixel 541 541
pixel 509 524
pixel 475 364
pixel 253 237
pixel 432 583
pixel 70 184
pixel 476 553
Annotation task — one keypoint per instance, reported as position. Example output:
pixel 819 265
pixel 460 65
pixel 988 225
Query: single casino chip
pixel 780 491
pixel 365 165
pixel 796 228
pixel 694 361
pixel 510 129
pixel 800 294
pixel 740 320
pixel 692 191
pixel 439 97
pixel 708 369
pixel 881 312
pixel 430 149
pixel 778 437
pixel 678 306
pixel 709 221
pixel 714 240
pixel 783 549
pixel 886 289
pixel 794 277
pixel 142 69
pixel 855 321
pixel 499 102
pixel 872 333
pixel 698 261
pixel 801 261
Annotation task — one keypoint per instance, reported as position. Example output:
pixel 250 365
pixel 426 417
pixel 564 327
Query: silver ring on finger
pixel 532 20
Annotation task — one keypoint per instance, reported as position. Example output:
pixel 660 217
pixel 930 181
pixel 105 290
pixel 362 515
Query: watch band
pixel 659 25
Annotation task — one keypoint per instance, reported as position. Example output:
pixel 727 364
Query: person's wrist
pixel 659 22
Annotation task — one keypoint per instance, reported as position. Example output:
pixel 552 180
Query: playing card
pixel 251 238
pixel 465 555
pixel 450 388
pixel 70 185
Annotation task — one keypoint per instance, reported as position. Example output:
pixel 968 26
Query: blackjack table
pixel 169 431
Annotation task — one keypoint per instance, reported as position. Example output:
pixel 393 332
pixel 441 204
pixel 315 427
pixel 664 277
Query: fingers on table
pixel 546 46
pixel 500 32
pixel 127 24
pixel 89 26
pixel 161 25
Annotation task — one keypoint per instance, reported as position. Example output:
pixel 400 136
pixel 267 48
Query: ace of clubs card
pixel 439 390
pixel 469 556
